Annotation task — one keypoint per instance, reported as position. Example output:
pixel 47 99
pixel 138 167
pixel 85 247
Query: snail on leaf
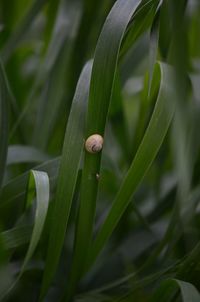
pixel 94 143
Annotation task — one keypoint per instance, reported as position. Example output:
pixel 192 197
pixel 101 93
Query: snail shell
pixel 94 143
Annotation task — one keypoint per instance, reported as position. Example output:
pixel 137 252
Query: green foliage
pixel 121 224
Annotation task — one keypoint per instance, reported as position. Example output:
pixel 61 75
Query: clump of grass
pixel 120 224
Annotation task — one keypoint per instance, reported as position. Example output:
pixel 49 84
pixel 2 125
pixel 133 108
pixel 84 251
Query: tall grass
pixel 121 224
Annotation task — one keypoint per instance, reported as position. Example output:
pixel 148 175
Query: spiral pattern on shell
pixel 94 143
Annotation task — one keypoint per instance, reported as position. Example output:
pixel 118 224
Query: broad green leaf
pixel 38 187
pixel 147 151
pixel 3 122
pixel 68 172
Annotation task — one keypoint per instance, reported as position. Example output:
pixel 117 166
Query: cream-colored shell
pixel 94 143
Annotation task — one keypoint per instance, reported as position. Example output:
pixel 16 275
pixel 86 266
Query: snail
pixel 94 143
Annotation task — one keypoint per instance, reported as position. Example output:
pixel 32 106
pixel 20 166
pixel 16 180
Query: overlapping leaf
pixel 68 172
pixel 38 187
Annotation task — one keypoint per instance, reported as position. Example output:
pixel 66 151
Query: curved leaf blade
pixel 13 193
pixel 39 184
pixel 147 151
pixel 169 288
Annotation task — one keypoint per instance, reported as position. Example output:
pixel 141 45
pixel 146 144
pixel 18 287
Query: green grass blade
pixel 38 186
pixel 188 291
pixel 69 167
pixel 102 80
pixel 3 122
pixel 105 63
pixel 145 155
pixel 142 19
pixel 13 193
pixel 169 288
pixel 40 182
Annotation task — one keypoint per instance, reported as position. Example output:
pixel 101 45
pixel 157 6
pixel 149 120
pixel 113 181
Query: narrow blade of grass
pixel 13 193
pixel 68 172
pixel 38 186
pixel 142 19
